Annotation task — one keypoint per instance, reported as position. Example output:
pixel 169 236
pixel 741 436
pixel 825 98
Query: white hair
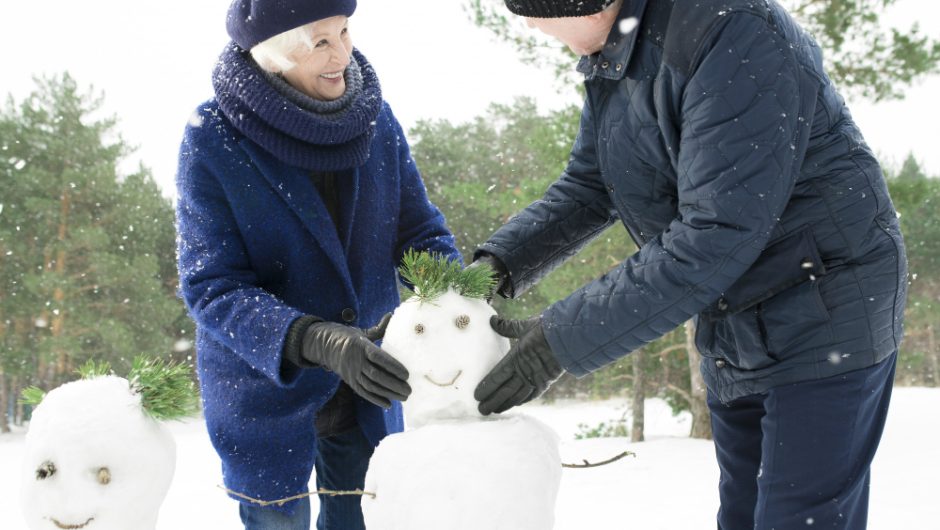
pixel 273 54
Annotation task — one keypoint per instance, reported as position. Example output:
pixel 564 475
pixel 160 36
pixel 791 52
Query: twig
pixel 281 502
pixel 587 464
pixel 332 493
pixel 452 381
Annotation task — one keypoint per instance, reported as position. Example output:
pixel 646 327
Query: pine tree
pixel 86 253
pixel 915 196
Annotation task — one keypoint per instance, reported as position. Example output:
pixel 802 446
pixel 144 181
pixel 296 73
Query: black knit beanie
pixel 250 22
pixel 557 8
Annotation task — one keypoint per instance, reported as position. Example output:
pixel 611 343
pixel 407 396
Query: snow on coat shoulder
pixel 94 459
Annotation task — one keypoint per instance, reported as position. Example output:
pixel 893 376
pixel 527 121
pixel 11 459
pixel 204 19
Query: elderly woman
pixel 297 199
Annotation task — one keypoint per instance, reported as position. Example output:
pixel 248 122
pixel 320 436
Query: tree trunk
pixel 933 354
pixel 58 320
pixel 18 409
pixel 639 397
pixel 4 391
pixel 701 418
pixel 4 403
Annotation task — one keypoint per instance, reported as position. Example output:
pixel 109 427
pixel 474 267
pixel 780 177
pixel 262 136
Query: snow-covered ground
pixel 670 485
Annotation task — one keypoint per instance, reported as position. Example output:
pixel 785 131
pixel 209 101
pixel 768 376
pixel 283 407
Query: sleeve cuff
pixel 504 287
pixel 292 359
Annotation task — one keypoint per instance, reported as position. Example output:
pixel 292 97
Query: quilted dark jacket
pixel 713 133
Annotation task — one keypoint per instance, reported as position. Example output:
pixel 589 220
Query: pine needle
pixel 92 369
pixel 166 389
pixel 32 396
pixel 432 275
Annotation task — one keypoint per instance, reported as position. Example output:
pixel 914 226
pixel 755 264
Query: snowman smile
pixel 451 383
pixel 71 526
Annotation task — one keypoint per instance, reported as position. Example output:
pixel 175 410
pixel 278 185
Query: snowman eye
pixel 419 329
pixel 462 321
pixel 104 476
pixel 45 470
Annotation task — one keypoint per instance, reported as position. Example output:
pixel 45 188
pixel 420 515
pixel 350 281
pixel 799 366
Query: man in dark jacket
pixel 712 132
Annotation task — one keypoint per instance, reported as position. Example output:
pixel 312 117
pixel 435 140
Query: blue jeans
pixel 341 464
pixel 799 456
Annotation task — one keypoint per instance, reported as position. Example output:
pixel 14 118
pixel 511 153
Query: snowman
pixel 454 468
pixel 96 455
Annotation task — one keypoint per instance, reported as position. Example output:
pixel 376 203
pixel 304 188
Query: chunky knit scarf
pixel 317 136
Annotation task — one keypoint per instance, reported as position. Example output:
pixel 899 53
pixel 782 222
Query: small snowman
pixel 454 468
pixel 96 453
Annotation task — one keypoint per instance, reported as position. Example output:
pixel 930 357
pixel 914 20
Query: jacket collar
pixel 611 62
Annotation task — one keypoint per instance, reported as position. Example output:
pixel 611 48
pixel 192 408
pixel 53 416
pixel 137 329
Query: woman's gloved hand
pixel 351 354
pixel 525 373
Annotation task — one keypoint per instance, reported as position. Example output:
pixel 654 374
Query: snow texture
pixel 670 485
pixel 93 459
pixel 445 362
pixel 500 474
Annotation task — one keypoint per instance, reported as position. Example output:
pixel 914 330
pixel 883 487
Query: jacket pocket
pixel 772 310
pixel 795 320
pixel 787 262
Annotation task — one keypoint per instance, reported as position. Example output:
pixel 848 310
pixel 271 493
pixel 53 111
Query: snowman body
pixel 454 468
pixel 95 460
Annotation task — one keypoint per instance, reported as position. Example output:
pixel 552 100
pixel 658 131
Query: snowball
pixel 448 346
pixel 94 459
pixel 499 474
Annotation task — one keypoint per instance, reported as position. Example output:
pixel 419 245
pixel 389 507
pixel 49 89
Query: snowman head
pixel 95 458
pixel 442 335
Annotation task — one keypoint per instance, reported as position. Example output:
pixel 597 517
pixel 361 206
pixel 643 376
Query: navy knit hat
pixel 557 8
pixel 250 22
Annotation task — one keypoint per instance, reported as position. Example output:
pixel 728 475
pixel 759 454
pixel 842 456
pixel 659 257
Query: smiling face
pixel 94 460
pixel 319 70
pixel 447 346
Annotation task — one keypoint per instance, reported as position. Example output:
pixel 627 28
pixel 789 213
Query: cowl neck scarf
pixel 290 132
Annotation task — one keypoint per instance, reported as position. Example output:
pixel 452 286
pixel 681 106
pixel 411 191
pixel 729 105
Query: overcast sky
pixel 153 62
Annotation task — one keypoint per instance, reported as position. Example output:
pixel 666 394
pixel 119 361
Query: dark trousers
pixel 799 456
pixel 341 464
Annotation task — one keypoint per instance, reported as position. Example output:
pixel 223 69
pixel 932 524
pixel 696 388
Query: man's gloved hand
pixel 350 353
pixel 499 271
pixel 527 370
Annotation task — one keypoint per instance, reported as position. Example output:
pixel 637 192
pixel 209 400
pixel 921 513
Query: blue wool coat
pixel 257 250
pixel 714 135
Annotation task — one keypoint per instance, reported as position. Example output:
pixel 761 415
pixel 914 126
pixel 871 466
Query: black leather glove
pixel 527 370
pixel 350 353
pixel 499 270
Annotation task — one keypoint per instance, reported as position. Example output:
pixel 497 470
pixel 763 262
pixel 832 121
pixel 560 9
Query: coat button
pixel 619 67
pixel 349 315
pixel 610 187
pixel 605 64
pixel 722 304
pixel 720 363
